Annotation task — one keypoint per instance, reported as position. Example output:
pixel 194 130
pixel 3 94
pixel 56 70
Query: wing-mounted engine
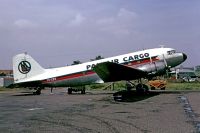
pixel 154 68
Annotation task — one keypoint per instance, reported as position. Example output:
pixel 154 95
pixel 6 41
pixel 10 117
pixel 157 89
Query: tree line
pixel 96 58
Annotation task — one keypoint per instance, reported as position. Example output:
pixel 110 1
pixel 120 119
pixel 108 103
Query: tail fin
pixel 25 67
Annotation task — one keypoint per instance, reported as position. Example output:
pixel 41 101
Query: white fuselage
pixel 83 74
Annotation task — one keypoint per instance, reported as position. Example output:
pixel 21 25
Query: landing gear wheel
pixel 70 90
pixel 162 88
pixel 83 91
pixel 38 91
pixel 142 89
pixel 153 88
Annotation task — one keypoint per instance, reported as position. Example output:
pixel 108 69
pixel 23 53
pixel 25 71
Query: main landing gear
pixel 38 90
pixel 131 95
pixel 76 89
pixel 140 88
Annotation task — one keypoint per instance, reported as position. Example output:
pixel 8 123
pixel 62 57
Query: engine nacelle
pixel 154 68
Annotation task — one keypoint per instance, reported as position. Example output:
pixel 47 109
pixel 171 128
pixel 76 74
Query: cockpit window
pixel 171 52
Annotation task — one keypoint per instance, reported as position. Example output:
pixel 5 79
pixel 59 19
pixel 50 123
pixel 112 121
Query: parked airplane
pixel 136 65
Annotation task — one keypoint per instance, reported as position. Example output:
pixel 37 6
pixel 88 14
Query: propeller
pixel 168 68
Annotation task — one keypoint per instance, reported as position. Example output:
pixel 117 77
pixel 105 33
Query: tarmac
pixel 98 112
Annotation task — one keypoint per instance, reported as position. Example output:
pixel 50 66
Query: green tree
pixel 99 57
pixel 2 74
pixel 76 62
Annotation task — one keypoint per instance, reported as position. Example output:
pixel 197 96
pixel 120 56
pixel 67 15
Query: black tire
pixel 139 89
pixel 142 88
pixel 153 88
pixel 69 90
pixel 162 88
pixel 83 91
pixel 38 92
pixel 146 88
pixel 118 96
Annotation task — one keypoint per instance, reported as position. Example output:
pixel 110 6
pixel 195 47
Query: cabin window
pixel 171 52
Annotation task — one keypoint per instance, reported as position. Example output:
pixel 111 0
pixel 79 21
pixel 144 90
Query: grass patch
pixel 121 85
pixel 11 89
pixel 118 86
pixel 3 89
pixel 107 86
pixel 183 86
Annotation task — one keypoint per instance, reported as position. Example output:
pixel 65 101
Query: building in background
pixel 6 81
pixel 6 78
pixel 7 73
pixel 197 71
pixel 186 74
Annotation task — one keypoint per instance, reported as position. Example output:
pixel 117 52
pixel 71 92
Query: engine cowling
pixel 154 68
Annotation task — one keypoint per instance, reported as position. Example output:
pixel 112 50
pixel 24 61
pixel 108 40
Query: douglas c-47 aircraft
pixel 142 64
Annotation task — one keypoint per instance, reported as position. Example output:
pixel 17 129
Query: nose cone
pixel 184 57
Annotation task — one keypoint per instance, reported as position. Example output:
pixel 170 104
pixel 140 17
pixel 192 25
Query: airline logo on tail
pixel 24 67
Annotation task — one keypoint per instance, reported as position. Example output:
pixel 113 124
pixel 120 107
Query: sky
pixel 57 32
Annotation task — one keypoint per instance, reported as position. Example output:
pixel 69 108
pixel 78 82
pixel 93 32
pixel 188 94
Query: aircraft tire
pixel 83 91
pixel 162 88
pixel 142 89
pixel 38 92
pixel 69 91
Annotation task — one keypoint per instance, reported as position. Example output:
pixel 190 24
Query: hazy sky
pixel 56 32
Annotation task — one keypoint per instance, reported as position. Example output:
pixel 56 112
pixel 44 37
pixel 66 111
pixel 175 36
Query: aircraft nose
pixel 184 56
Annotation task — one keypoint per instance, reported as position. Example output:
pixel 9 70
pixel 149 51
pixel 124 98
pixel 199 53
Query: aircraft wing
pixel 110 72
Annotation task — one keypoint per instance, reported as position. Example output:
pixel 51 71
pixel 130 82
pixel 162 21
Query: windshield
pixel 171 52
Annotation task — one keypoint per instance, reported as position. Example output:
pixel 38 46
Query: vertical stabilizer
pixel 25 67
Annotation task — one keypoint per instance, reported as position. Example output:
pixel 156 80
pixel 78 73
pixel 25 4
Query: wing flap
pixel 110 72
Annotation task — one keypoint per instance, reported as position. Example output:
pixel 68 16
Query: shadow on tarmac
pixel 133 96
pixel 25 94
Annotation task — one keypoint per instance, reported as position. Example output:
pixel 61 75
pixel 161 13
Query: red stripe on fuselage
pixel 139 62
pixel 90 72
pixel 71 76
pixel 76 75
